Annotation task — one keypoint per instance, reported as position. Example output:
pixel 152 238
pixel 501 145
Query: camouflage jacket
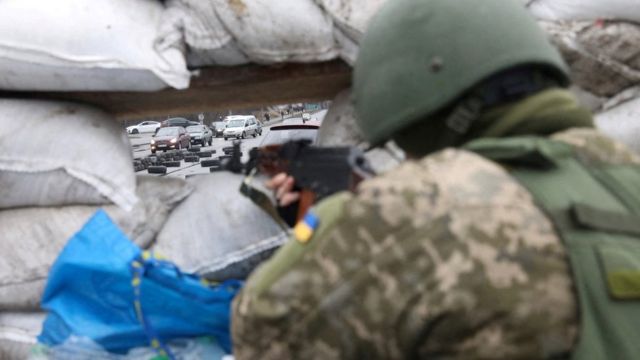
pixel 445 257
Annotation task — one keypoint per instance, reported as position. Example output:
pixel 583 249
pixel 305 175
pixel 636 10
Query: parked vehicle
pixel 167 138
pixel 178 121
pixel 218 128
pixel 306 117
pixel 200 134
pixel 143 127
pixel 240 127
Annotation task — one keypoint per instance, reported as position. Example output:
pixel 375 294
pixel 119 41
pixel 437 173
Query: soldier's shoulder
pixel 449 178
pixel 594 146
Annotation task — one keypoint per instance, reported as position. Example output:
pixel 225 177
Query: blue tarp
pixel 90 294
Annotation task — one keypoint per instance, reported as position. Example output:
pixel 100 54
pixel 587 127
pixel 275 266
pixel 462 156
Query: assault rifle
pixel 318 171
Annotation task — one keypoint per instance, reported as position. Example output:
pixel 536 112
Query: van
pixel 240 126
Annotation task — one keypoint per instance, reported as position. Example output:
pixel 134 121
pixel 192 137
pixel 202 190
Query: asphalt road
pixel 141 148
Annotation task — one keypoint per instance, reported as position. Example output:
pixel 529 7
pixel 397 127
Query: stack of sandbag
pixel 86 45
pixel 221 32
pixel 599 40
pixel 59 163
pixel 217 232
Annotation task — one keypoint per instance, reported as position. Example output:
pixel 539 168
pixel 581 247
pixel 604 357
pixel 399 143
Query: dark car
pixel 218 128
pixel 178 121
pixel 200 134
pixel 167 138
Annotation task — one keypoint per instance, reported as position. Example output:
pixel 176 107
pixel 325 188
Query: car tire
pixel 135 131
pixel 211 141
pixel 225 139
pixel 153 151
pixel 204 142
pixel 244 135
pixel 179 146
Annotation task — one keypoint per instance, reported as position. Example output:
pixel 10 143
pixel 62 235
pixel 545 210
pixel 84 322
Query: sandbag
pixel 195 23
pixel 350 18
pixel 78 45
pixel 622 123
pixel 31 238
pixel 18 333
pixel 585 9
pixel 57 153
pixel 604 57
pixel 261 31
pixel 217 232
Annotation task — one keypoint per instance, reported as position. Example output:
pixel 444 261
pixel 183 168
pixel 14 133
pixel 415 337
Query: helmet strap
pixel 464 114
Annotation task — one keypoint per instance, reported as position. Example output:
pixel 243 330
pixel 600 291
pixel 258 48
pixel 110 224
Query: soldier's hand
pixel 282 185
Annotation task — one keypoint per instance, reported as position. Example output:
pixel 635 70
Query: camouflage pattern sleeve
pixel 447 257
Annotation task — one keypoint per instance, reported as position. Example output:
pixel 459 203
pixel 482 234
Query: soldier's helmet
pixel 419 57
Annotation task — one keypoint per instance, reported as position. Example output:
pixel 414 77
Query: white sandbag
pixel 56 153
pixel 86 45
pixel 351 18
pixel 585 9
pixel 347 48
pixel 31 238
pixel 18 332
pixel 604 58
pixel 217 232
pixel 279 31
pixel 622 123
pixel 195 23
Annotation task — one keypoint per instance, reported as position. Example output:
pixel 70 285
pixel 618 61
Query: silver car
pixel 200 134
pixel 240 127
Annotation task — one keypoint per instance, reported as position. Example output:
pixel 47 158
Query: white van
pixel 240 126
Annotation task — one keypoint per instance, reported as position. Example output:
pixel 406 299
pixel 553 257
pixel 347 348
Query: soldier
pixel 511 232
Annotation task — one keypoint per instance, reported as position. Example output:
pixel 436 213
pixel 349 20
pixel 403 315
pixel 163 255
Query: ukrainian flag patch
pixel 304 228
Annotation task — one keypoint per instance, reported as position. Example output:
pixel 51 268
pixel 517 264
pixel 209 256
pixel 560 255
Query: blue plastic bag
pixel 91 293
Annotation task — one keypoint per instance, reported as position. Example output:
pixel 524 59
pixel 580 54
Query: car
pixel 240 127
pixel 143 127
pixel 280 134
pixel 218 128
pixel 306 117
pixel 200 134
pixel 178 121
pixel 172 137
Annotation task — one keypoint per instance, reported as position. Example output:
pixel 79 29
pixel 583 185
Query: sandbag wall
pixel 59 163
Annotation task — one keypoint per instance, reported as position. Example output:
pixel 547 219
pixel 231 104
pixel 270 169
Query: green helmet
pixel 420 56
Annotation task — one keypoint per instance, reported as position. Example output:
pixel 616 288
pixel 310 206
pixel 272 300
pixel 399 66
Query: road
pixel 140 147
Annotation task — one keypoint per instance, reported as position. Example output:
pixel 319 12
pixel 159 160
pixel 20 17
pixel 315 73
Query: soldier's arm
pixel 396 272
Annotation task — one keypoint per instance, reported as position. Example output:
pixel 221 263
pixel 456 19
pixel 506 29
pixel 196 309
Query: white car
pixel 306 117
pixel 240 127
pixel 143 127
